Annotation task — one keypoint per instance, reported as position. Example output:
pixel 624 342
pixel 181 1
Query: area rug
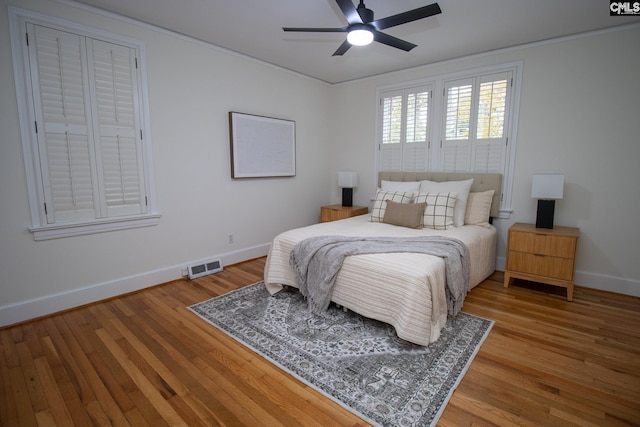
pixel 360 363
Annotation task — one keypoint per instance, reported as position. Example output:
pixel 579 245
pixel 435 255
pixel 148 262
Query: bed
pixel 405 290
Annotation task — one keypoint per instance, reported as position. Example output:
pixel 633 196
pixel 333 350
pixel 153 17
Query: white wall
pixel 579 115
pixel 192 87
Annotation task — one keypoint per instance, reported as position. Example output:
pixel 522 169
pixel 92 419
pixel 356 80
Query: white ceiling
pixel 465 27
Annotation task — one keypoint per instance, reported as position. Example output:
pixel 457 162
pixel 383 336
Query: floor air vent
pixel 206 267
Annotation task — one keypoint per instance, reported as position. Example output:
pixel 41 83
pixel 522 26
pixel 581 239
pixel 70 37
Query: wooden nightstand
pixel 542 255
pixel 336 212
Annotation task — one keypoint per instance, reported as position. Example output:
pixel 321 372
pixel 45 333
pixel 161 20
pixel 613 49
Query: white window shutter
pixel 405 131
pixel 390 158
pixel 117 131
pixel 490 138
pixel 455 156
pixel 415 157
pixel 390 147
pixel 489 157
pixel 474 122
pixel 417 117
pixel 458 113
pixel 416 147
pixel 64 134
pixel 458 120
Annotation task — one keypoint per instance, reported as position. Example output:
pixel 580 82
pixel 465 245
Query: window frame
pixel 437 119
pixel 18 19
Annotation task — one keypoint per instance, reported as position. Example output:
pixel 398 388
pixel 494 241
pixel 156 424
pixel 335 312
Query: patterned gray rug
pixel 358 362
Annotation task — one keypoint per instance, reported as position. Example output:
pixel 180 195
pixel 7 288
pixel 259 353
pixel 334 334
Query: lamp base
pixel 544 218
pixel 347 197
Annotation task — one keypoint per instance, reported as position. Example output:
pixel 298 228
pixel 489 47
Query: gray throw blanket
pixel 317 260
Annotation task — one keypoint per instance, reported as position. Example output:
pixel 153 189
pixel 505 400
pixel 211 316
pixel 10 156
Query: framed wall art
pixel 261 146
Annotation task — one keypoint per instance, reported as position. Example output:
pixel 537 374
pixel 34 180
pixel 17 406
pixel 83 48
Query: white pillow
pixel 461 188
pixel 439 211
pixel 379 205
pixel 479 208
pixel 403 186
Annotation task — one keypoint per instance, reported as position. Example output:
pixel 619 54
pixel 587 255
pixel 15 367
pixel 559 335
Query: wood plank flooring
pixel 144 360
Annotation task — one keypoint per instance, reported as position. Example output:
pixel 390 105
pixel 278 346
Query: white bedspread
pixel 405 290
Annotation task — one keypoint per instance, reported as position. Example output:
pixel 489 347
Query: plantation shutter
pixel 417 130
pixel 117 130
pixel 390 155
pixel 88 126
pixel 456 146
pixel 64 136
pixel 405 130
pixel 490 145
pixel 475 128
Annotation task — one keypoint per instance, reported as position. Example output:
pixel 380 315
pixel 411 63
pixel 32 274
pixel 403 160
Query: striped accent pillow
pixel 380 206
pixel 479 208
pixel 439 212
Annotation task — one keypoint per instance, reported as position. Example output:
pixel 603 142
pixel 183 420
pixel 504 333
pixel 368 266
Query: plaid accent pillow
pixel 439 212
pixel 461 188
pixel 379 205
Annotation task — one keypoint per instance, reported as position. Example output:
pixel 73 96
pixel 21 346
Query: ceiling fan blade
pixel 409 16
pixel 349 11
pixel 393 41
pixel 342 49
pixel 316 30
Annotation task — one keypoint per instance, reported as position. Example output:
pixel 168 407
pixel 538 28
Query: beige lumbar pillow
pixel 404 214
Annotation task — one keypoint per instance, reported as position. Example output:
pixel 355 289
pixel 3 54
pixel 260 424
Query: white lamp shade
pixel 347 179
pixel 547 186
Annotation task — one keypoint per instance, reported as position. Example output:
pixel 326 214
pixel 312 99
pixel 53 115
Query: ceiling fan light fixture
pixel 364 29
pixel 360 37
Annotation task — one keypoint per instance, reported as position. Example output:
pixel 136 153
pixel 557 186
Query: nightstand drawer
pixel 541 265
pixel 542 244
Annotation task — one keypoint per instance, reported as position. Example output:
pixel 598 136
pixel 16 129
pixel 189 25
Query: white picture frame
pixel 261 147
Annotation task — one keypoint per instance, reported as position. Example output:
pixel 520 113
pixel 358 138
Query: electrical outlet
pixel 230 238
pixel 185 271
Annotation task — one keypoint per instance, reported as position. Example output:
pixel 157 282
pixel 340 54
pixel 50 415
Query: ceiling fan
pixel 362 28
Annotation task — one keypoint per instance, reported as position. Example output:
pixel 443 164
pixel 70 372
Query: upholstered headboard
pixel 481 182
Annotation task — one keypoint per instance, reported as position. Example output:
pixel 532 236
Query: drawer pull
pixel 538 254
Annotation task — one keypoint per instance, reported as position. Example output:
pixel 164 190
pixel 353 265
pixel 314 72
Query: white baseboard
pixel 49 304
pixel 601 282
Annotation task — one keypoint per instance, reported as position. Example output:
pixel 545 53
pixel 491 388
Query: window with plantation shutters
pixel 471 116
pixel 405 129
pixel 89 160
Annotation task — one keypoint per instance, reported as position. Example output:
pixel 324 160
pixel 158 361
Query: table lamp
pixel 547 188
pixel 347 180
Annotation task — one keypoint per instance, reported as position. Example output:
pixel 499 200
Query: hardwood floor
pixel 144 360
